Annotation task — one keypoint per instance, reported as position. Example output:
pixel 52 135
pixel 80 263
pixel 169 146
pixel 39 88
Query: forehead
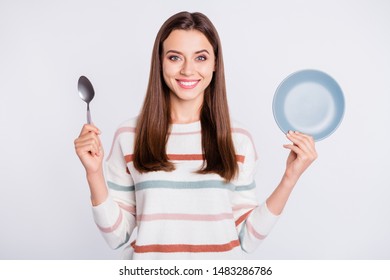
pixel 187 41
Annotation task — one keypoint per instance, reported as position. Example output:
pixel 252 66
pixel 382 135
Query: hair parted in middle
pixel 154 121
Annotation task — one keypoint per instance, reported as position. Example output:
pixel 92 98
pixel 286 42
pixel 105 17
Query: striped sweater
pixel 181 214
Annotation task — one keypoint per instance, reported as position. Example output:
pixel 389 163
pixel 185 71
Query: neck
pixel 185 111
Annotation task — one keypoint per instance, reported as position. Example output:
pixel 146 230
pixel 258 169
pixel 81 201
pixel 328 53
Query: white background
pixel 340 207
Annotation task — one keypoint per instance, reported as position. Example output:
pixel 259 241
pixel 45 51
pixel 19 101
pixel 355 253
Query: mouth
pixel 187 84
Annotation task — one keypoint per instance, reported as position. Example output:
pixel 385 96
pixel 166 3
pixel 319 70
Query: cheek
pixel 170 70
pixel 167 75
pixel 207 71
pixel 207 68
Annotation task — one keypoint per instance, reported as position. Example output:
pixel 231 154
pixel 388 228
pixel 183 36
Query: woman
pixel 180 176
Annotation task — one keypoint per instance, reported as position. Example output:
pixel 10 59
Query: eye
pixel 201 58
pixel 174 58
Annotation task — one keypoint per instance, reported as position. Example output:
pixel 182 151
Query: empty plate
pixel 309 101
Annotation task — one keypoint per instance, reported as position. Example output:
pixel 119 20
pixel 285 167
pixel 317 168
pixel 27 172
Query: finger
pixel 302 155
pixel 303 141
pixel 310 143
pixel 90 145
pixel 88 137
pixel 89 128
pixel 87 141
pixel 89 131
pixel 302 147
pixel 87 149
pixel 294 148
pixel 296 140
pixel 87 146
pixel 308 137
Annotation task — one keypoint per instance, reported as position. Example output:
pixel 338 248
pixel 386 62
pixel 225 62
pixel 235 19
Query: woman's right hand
pixel 89 149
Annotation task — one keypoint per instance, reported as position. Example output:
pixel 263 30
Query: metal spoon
pixel 86 93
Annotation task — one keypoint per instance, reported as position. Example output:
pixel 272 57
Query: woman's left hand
pixel 302 154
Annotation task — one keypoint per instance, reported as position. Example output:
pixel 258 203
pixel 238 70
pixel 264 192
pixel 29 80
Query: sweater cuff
pixel 106 213
pixel 265 219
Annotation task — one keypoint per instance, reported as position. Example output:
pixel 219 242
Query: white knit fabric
pixel 181 214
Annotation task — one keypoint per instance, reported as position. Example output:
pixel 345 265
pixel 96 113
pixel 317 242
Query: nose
pixel 187 68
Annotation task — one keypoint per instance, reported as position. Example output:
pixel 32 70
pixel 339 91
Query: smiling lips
pixel 187 84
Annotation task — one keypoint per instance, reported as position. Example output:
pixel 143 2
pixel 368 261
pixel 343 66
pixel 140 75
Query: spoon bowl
pixel 86 93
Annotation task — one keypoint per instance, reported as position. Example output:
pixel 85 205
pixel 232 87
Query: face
pixel 188 64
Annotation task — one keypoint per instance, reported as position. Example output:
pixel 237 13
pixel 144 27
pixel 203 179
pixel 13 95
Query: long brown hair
pixel 154 120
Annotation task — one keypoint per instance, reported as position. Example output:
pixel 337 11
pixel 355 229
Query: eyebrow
pixel 197 52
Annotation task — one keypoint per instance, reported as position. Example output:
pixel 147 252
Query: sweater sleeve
pixel 253 221
pixel 115 217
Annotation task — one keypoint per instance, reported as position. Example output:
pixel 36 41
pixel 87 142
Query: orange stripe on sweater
pixel 128 158
pixel 239 158
pixel 185 157
pixel 181 248
pixel 243 217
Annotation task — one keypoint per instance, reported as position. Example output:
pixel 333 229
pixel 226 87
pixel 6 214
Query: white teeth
pixel 187 84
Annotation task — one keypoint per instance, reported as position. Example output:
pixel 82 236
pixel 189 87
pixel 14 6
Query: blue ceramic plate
pixel 309 101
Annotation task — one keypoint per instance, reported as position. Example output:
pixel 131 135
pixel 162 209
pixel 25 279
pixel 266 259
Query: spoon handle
pixel 89 120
